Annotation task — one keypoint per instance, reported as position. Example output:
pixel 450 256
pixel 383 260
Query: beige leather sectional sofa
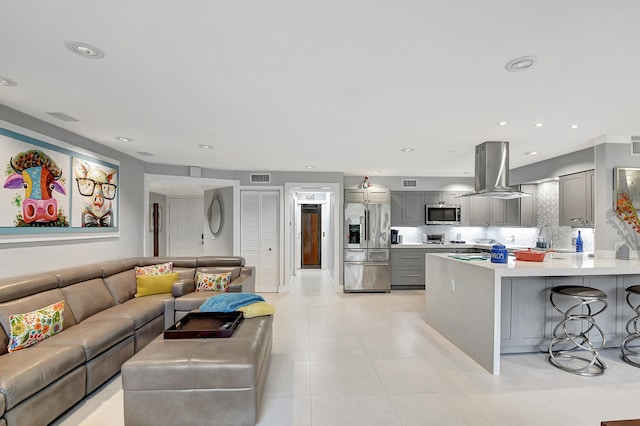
pixel 104 325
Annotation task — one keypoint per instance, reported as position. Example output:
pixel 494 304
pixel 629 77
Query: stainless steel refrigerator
pixel 367 226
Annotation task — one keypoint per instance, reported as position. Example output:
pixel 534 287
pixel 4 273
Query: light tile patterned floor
pixel 370 359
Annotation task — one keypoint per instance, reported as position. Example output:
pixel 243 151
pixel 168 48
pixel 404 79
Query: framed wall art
pixel 54 191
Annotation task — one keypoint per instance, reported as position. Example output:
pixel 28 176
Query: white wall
pixel 26 258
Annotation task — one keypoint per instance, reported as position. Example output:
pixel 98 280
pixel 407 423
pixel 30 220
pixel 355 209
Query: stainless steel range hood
pixel 492 172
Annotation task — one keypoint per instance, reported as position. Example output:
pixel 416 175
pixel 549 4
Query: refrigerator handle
pixel 366 224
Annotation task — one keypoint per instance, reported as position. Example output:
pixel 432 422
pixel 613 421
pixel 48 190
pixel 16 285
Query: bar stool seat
pixel 630 354
pixel 572 348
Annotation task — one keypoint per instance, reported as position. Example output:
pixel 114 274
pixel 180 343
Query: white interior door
pixel 260 236
pixel 186 225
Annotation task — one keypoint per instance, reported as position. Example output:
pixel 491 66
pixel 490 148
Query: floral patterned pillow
pixel 213 282
pixel 159 269
pixel 32 327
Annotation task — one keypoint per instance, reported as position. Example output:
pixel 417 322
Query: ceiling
pixel 337 85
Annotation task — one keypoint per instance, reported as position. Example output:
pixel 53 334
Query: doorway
pixel 311 222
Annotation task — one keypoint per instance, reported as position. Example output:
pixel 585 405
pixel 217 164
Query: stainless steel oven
pixel 442 214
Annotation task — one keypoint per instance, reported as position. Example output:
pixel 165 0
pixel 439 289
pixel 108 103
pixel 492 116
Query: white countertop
pixel 559 264
pixel 453 246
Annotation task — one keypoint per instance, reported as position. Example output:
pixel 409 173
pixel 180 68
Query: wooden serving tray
pixel 204 325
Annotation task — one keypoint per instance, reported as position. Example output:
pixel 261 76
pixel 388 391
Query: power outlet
pixel 453 285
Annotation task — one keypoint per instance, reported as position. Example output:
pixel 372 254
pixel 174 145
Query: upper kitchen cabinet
pixel 488 211
pixel 576 199
pixel 529 206
pixel 442 197
pixel 373 195
pixel 407 208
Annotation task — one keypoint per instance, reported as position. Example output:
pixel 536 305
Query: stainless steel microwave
pixel 442 214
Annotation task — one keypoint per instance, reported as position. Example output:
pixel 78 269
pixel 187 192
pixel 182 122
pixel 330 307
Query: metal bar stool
pixel 632 355
pixel 571 349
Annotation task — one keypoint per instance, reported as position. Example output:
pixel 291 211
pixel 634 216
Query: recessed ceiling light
pixel 205 146
pixel 145 153
pixel 521 63
pixel 377 172
pixel 308 167
pixel 407 149
pixel 123 139
pixel 7 82
pixel 574 126
pixel 538 125
pixel 531 153
pixel 502 123
pixel 85 50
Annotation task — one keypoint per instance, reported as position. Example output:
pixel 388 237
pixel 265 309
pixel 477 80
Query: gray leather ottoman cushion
pixel 94 336
pixel 140 311
pixel 25 372
pixel 224 363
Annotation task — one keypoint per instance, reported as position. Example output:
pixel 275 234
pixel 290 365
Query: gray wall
pixel 574 162
pixel 162 235
pixel 26 258
pixel 222 245
pixel 394 183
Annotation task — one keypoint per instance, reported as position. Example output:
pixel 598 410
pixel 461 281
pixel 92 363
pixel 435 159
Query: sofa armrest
pixel 182 287
pixel 246 282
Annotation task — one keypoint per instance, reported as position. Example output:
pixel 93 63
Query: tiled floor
pixel 369 359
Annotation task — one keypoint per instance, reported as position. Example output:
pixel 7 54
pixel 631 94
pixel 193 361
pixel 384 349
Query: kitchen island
pixel 487 309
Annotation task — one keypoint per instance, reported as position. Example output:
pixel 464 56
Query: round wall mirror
pixel 214 215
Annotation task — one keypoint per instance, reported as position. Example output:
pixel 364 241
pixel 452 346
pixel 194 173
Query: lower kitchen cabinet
pixel 407 268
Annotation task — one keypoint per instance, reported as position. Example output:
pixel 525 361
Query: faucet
pixel 542 228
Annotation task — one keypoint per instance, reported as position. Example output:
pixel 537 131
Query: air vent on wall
pixel 635 145
pixel 260 177
pixel 409 183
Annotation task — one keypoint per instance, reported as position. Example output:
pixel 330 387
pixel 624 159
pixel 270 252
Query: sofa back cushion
pixel 27 285
pixel 32 303
pixel 234 270
pixel 87 298
pixel 122 285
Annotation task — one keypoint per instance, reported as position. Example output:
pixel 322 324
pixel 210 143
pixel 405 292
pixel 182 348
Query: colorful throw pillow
pixel 147 285
pixel 33 327
pixel 213 282
pixel 257 309
pixel 159 269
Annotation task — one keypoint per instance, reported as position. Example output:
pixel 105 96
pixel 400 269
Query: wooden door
pixel 311 235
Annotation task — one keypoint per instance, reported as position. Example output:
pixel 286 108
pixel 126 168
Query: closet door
pixel 260 236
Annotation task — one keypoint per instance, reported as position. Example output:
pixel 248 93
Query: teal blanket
pixel 229 302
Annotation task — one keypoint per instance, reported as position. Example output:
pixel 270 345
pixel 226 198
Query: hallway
pixel 369 359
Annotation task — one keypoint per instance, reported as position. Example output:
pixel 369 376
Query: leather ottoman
pixel 216 381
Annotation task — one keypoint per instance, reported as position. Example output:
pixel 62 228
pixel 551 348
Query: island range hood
pixel 492 172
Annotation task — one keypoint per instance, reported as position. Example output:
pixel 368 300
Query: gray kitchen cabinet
pixel 407 208
pixel 524 308
pixel 576 199
pixel 529 206
pixel 444 197
pixel 479 211
pixel 505 212
pixel 407 268
pixel 357 195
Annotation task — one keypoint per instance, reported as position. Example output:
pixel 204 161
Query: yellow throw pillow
pixel 147 285
pixel 257 309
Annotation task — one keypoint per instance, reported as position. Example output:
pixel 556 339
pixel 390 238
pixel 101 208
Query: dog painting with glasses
pixel 97 186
